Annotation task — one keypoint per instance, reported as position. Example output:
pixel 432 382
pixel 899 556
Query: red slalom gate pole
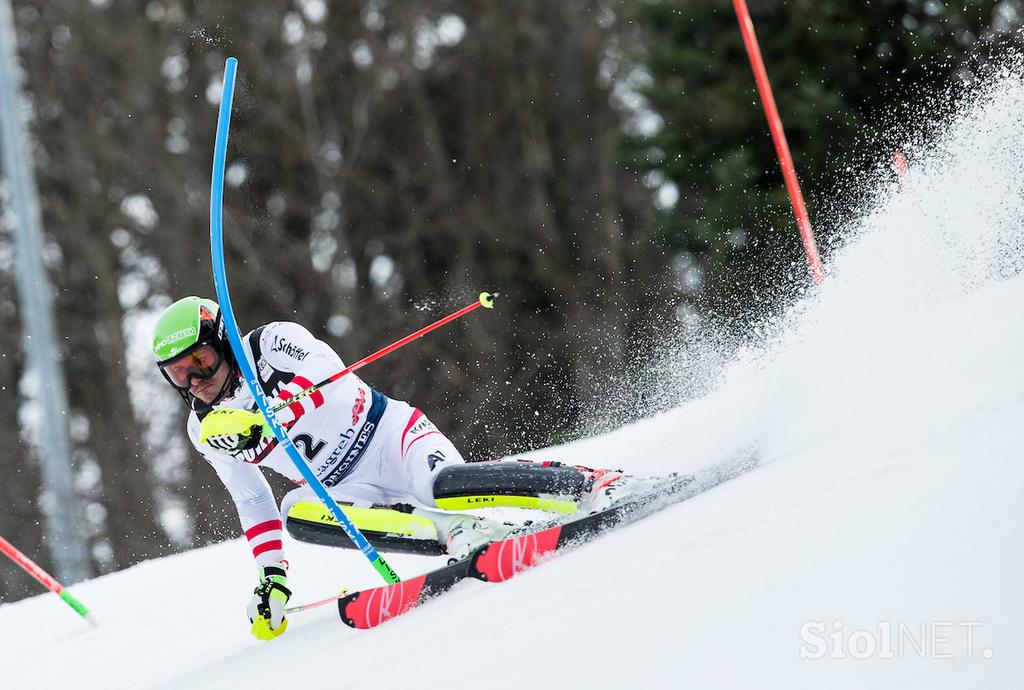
pixel 44 578
pixel 764 87
pixel 900 164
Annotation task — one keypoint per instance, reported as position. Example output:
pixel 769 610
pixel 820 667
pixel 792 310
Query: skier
pixel 395 475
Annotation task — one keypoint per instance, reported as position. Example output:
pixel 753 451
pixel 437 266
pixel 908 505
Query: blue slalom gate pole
pixel 235 338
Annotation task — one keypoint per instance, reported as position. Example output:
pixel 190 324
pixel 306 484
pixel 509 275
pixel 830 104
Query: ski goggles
pixel 200 363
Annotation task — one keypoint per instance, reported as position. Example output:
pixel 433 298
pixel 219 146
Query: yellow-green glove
pixel 266 610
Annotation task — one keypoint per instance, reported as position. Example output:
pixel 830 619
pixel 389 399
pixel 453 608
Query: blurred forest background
pixel 605 165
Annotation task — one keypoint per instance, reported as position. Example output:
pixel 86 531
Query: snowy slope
pixel 888 413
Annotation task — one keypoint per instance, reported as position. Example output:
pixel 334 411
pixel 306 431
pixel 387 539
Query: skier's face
pixel 207 389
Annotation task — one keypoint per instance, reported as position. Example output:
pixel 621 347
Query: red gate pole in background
pixel 779 138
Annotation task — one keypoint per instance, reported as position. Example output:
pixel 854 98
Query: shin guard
pixel 544 486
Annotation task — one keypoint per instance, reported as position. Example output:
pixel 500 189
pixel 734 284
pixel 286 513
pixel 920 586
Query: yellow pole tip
pixel 487 300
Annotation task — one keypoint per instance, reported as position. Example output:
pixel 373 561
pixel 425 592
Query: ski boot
pixel 463 534
pixel 611 486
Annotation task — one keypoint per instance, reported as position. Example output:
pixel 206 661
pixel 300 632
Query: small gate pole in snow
pixel 44 578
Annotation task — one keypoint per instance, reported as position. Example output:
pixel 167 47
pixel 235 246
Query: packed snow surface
pixel 878 544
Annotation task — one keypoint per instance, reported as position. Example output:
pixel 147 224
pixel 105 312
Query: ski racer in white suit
pixel 370 451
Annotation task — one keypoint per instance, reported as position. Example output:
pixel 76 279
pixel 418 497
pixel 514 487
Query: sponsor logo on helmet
pixel 189 332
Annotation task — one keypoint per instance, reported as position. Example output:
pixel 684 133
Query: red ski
pixel 502 560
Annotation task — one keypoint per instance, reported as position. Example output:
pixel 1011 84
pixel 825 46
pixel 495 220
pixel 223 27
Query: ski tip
pixel 487 299
pixel 343 604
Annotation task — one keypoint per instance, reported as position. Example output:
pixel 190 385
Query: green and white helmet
pixel 190 344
